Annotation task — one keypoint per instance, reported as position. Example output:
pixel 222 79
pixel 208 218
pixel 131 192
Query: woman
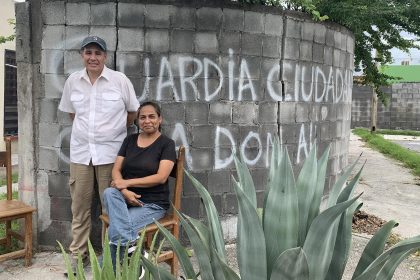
pixel 139 192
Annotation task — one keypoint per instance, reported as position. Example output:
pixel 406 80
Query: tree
pixel 4 39
pixel 376 25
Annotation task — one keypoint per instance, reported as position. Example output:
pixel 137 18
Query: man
pixel 102 103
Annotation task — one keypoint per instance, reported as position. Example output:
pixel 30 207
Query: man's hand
pixel 119 184
pixel 132 198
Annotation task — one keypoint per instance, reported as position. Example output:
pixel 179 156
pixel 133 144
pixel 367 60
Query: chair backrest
pixel 178 174
pixel 6 161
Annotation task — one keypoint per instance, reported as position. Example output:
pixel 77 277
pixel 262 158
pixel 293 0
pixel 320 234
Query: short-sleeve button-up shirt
pixel 99 126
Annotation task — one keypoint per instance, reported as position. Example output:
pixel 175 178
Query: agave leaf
pixel 342 244
pixel 212 217
pixel 306 187
pixel 157 272
pixel 251 246
pixel 96 270
pixel 291 265
pixel 246 181
pixel 133 269
pixel 272 175
pixel 347 192
pixel 107 269
pixel 319 189
pixel 320 240
pixel 336 189
pixel 70 272
pixel 200 250
pixel 375 247
pixel 224 272
pixel 388 270
pixel 401 247
pixel 281 222
pixel 202 230
pixel 180 251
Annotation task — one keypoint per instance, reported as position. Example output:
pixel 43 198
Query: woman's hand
pixel 132 198
pixel 119 184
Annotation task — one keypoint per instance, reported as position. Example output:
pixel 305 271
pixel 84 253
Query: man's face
pixel 93 58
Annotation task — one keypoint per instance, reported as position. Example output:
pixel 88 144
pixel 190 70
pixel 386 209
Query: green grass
pixel 398 132
pixel 15 226
pixel 15 178
pixel 376 141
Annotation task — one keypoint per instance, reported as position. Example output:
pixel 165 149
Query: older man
pixel 102 103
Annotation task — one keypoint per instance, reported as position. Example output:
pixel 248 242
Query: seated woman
pixel 139 192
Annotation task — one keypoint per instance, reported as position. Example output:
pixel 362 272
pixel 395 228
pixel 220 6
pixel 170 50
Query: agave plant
pixel 291 237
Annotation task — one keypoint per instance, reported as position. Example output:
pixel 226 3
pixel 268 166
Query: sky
pixel 413 56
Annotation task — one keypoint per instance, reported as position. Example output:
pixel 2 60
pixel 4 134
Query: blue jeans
pixel 125 222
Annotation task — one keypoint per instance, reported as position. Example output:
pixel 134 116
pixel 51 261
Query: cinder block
pixel 202 158
pixel 157 16
pixel 266 67
pixel 271 46
pixel 230 41
pixel 220 113
pixel 72 62
pixel 157 40
pixel 233 19
pixel 287 112
pixel 267 112
pixel 48 110
pixel 49 134
pixel 329 38
pixel 103 14
pixel 58 185
pixel 54 85
pixel 306 51
pixel 189 189
pixel 252 44
pixel 52 61
pixel 64 160
pixel 249 131
pixel 53 12
pixel 130 39
pixel 254 22
pixel 131 15
pixel 197 113
pixel 182 41
pixel 182 65
pixel 336 58
pixel 48 237
pixel 293 28
pixel 289 135
pixel 318 53
pixel 183 17
pixel 206 42
pixel 173 113
pixel 130 63
pixel 61 208
pixel 230 204
pixel 75 36
pixel 308 31
pixel 244 113
pixel 202 136
pixel 219 182
pixel 191 206
pixel 328 55
pixel 273 25
pixel 222 134
pixel 110 60
pixel 254 66
pixel 302 112
pixel 338 39
pixel 48 158
pixel 319 33
pixel 109 34
pixel 260 177
pixel 209 18
pixel 291 49
pixel 53 37
pixel 350 44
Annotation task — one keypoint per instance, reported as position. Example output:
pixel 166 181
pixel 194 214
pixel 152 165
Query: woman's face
pixel 149 120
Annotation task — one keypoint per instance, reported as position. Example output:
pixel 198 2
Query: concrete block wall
pixel 228 77
pixel 401 112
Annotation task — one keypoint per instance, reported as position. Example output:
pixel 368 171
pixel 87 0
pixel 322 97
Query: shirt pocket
pixel 111 101
pixel 77 100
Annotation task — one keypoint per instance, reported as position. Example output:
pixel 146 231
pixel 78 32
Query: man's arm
pixel 72 116
pixel 131 116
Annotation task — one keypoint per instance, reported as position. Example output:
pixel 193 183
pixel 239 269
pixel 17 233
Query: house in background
pixel 8 75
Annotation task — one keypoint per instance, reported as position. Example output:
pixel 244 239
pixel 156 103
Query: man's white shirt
pixel 99 126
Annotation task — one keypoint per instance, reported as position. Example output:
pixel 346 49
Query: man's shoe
pixel 73 264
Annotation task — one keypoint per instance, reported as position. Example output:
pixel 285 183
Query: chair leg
pixel 8 233
pixel 28 239
pixel 174 266
pixel 104 228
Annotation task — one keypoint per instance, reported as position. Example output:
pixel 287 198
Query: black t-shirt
pixel 141 162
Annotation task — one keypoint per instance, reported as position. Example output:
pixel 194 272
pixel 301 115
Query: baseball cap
pixel 94 40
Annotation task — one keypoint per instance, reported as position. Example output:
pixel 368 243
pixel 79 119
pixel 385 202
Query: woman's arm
pixel 165 168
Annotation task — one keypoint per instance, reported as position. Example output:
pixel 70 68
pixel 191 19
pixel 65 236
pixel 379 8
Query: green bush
pixel 291 237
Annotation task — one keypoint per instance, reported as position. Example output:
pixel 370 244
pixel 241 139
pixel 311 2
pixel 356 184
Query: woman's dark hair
pixel 154 105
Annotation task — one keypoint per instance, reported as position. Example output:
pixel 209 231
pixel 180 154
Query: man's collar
pixel 106 73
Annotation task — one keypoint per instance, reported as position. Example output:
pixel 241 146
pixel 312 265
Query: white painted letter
pixel 207 62
pixel 190 80
pixel 218 162
pixel 243 146
pixel 179 133
pixel 274 70
pixel 164 65
pixel 241 87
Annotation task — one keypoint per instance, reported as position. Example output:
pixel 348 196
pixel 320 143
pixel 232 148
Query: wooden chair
pixel 13 209
pixel 170 221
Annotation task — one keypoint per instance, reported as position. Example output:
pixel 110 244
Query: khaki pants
pixel 82 179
